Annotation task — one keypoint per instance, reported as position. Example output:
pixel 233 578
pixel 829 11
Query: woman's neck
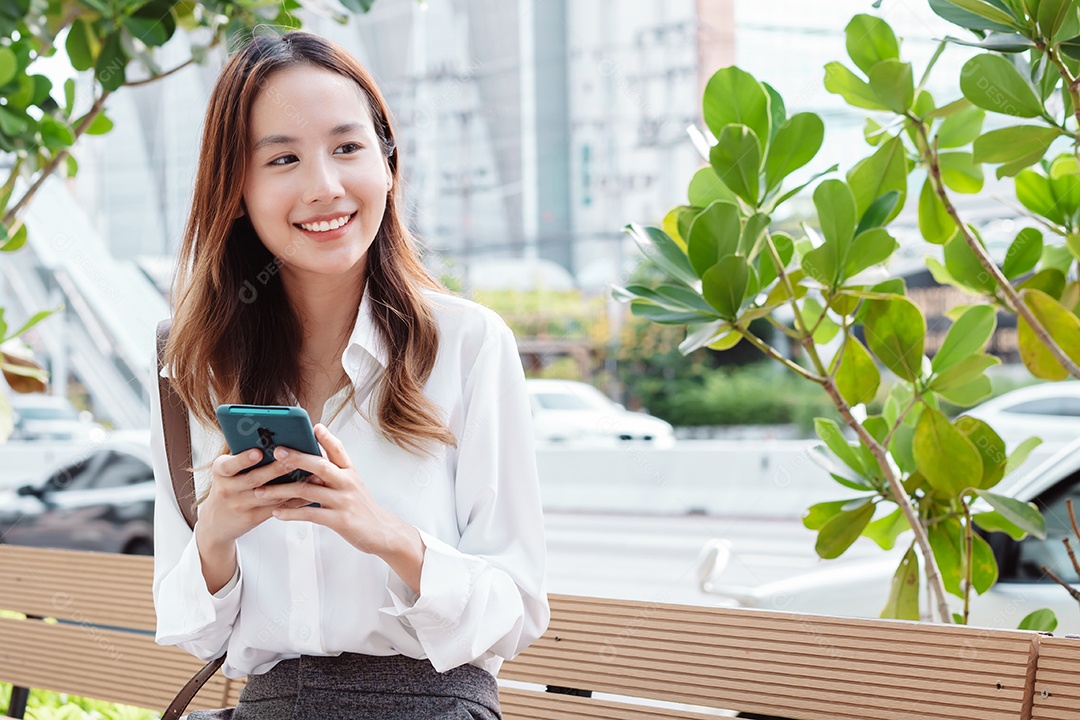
pixel 327 309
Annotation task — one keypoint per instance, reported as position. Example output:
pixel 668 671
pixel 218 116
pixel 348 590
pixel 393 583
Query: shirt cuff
pixel 446 580
pixel 193 607
pixel 224 592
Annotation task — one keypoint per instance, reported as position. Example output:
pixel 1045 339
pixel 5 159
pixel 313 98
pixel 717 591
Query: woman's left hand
pixel 346 505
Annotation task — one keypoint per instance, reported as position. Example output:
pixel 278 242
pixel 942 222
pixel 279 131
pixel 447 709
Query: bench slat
pixel 97 588
pixel 518 704
pixel 109 665
pixel 1058 676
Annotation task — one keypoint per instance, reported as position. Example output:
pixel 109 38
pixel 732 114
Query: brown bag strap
pixel 180 702
pixel 177 430
pixel 174 420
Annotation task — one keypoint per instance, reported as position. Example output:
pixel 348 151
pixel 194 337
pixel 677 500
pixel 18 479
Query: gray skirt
pixel 355 686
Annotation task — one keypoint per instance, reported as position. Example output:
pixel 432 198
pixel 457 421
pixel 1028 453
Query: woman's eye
pixel 350 148
pixel 279 161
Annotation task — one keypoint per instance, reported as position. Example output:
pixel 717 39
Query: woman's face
pixel 317 179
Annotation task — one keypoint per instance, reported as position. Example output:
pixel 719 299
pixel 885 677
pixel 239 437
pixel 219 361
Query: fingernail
pixel 259 492
pixel 255 454
pixel 281 453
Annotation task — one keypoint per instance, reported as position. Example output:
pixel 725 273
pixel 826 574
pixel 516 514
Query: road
pixel 655 557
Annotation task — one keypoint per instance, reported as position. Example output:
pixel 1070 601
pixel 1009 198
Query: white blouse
pixel 301 589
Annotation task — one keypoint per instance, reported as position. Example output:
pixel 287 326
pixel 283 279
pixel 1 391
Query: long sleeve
pixel 187 614
pixel 486 596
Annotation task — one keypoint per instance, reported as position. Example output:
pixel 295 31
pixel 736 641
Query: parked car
pixel 102 501
pixel 861 589
pixel 51 417
pixel 575 413
pixel 1050 411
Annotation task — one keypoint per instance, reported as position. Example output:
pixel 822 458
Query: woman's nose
pixel 323 183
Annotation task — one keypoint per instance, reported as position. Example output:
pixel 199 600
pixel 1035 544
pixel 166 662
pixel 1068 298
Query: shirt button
pixel 302 533
pixel 304 632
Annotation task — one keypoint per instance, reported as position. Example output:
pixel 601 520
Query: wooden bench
pixel 650 661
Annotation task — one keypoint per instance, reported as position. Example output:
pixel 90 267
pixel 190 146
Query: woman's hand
pixel 231 509
pixel 346 506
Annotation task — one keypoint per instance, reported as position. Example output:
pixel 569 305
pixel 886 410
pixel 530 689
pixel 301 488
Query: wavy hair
pixel 226 348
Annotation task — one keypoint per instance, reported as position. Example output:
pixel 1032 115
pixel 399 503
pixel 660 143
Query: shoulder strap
pixel 174 421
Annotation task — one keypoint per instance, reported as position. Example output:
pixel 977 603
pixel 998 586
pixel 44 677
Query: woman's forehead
pixel 305 99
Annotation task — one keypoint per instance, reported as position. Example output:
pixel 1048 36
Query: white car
pixel 1050 411
pixel 861 589
pixel 51 417
pixel 575 413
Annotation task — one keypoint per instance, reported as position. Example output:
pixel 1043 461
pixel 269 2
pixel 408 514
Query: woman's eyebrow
pixel 343 129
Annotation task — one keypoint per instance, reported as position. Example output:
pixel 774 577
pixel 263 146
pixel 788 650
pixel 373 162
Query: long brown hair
pixel 235 336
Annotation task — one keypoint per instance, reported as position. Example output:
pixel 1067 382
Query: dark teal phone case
pixel 266 427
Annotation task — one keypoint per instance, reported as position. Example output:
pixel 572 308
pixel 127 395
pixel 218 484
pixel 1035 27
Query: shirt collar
pixel 365 337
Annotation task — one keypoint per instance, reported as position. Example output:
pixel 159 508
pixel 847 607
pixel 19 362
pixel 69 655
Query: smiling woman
pixel 411 562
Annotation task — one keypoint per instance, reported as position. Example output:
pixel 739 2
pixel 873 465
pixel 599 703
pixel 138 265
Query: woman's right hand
pixel 232 509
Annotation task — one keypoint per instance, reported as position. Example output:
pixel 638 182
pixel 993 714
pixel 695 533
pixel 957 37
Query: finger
pixel 311 514
pixel 335 449
pixel 288 491
pixel 262 475
pixel 314 464
pixel 230 465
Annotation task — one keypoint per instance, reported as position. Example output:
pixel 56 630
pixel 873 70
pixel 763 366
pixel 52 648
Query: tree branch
pixel 154 78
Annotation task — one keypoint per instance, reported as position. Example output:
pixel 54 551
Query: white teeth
pixel 325 226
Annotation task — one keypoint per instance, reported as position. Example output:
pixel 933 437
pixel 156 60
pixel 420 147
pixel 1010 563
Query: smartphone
pixel 265 427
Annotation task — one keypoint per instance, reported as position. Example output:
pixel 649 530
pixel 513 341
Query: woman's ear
pixel 241 212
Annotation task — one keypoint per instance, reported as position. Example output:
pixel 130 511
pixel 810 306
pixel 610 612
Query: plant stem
pixel 900 497
pixel 900 420
pixel 775 354
pixel 167 73
pixel 1014 302
pixel 54 162
pixel 1070 83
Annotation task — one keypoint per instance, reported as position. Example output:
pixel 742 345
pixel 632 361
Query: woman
pixel 395 581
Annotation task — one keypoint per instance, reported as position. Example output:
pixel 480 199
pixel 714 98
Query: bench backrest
pixel 770 663
pixel 747 660
pixel 101 644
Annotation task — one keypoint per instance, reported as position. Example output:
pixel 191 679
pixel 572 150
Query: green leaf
pixel 358 6
pixel 100 125
pixel 724 285
pixel 885 530
pixel 1051 16
pixel 1020 454
pixel 843 529
pixel 826 328
pixel 901 448
pixel 984 569
pixel 876 175
pixel 964 383
pixel 9 65
pixel 954 14
pixel 1071 47
pixel 858 377
pixel 895 333
pixel 870 248
pixel 736 159
pixel 111 63
pixel 1018 147
pixel 947 459
pixel 777 111
pixel 81 45
pixel 1050 281
pixel 960 173
pixel 993 83
pixel 751 241
pixel 1044 620
pixel 15 242
pixel 993 521
pixel 960 128
pixel 12 123
pixel 55 135
pixel 935 223
pixel 1024 252
pixel 837 214
pixel 664 316
pixel 797 189
pixel 34 320
pixel 869 41
pixel 833 438
pixel 785 248
pixel 734 97
pixel 997 42
pixel 893 84
pixel 983 9
pixel 947 541
pixel 968 335
pixel 1034 192
pixel 714 234
pixel 820 513
pixel 1057 258
pixel 964 265
pixel 152 23
pixel 663 252
pixel 855 91
pixel 69 96
pixel 903 602
pixel 705 188
pixel 878 213
pixel 1024 515
pixel 990 446
pixel 1063 327
pixel 796 143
